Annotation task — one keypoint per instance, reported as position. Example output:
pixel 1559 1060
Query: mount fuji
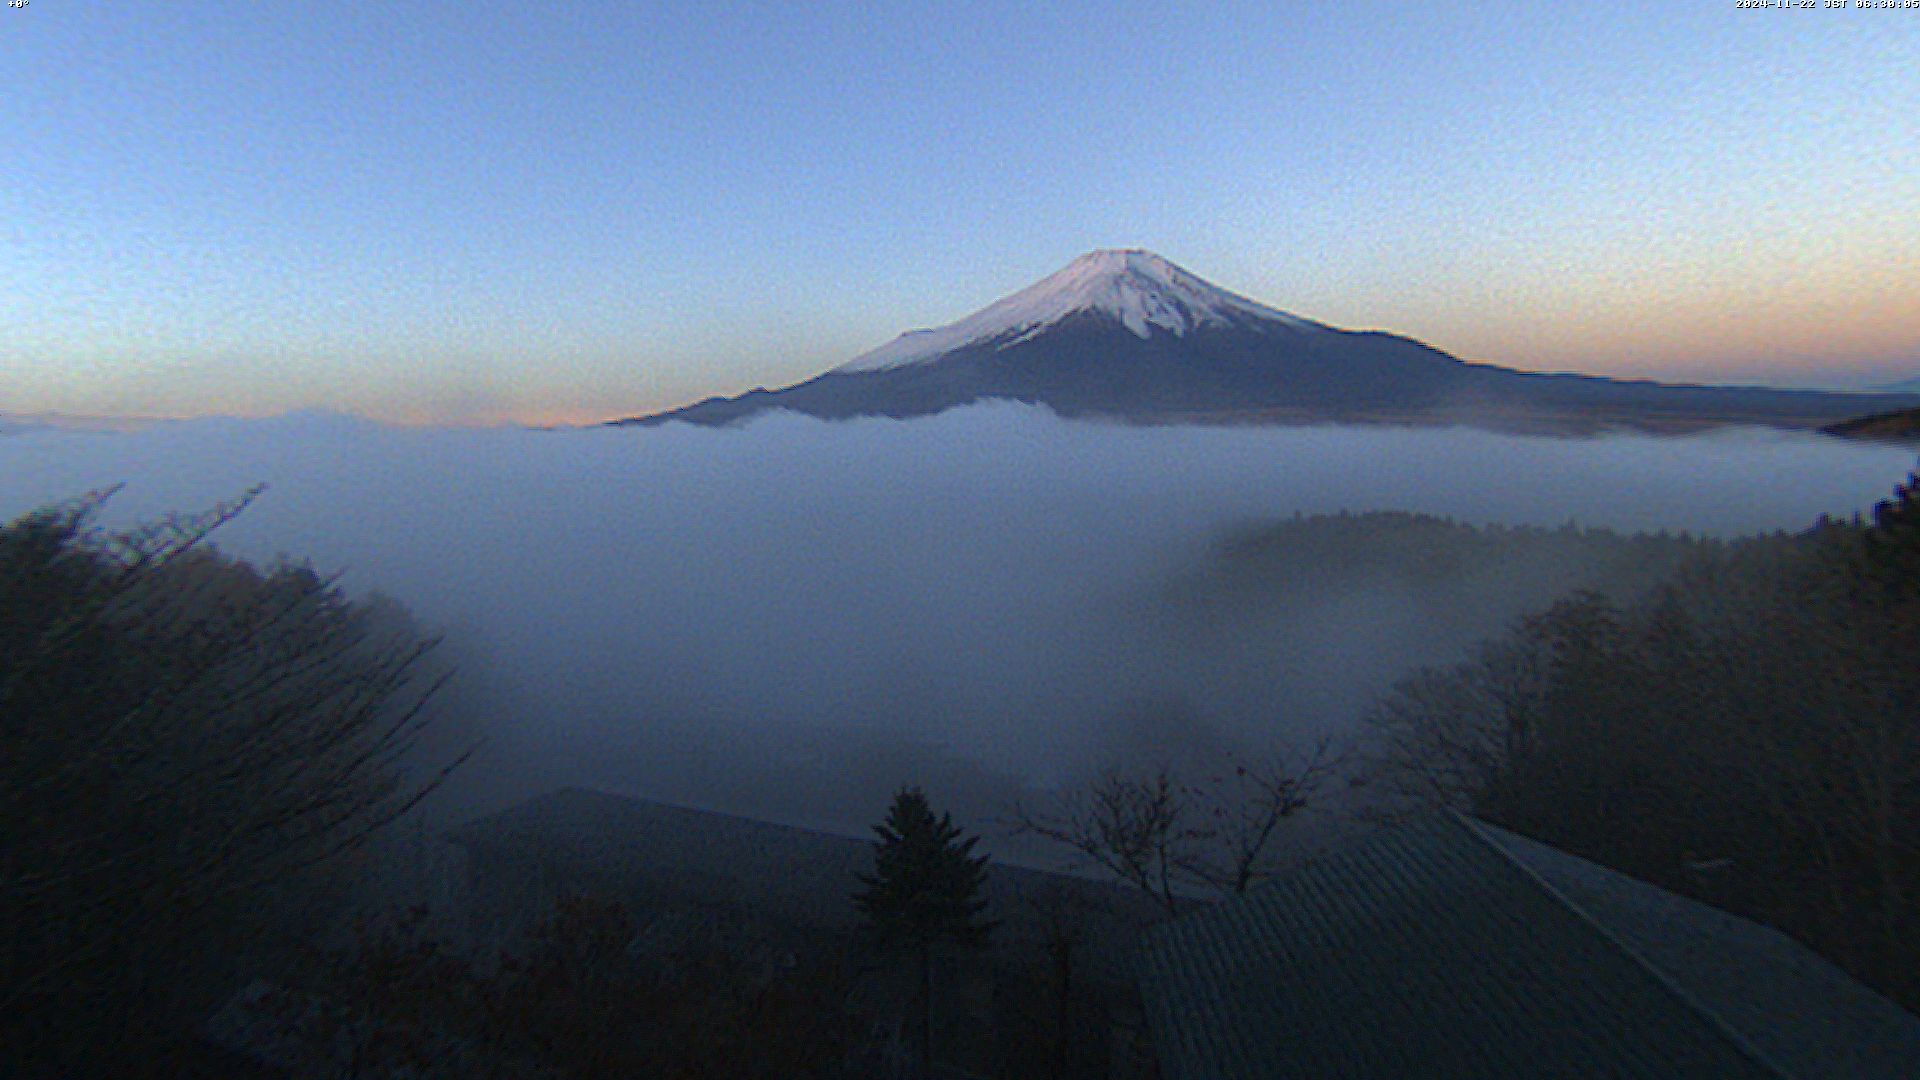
pixel 1128 335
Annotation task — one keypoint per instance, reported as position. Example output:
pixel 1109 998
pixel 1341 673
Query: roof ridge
pixel 1477 829
pixel 464 831
pixel 470 829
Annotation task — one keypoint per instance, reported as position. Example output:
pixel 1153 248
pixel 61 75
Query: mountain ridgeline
pixel 1129 336
pixel 1901 426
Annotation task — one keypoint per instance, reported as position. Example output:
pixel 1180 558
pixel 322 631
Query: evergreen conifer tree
pixel 1893 543
pixel 925 890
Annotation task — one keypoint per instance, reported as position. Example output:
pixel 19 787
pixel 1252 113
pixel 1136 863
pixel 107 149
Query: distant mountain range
pixel 1128 335
pixel 19 423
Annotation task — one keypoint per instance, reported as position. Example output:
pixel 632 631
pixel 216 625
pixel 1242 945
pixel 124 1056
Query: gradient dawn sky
pixel 481 212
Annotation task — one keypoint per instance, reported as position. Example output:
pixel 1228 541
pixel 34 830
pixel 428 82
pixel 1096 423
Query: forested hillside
pixel 1293 627
pixel 196 748
pixel 1441 563
pixel 1747 733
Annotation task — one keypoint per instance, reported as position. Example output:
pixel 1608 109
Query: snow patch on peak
pixel 1137 288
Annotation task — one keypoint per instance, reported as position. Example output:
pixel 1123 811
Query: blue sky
pixel 486 211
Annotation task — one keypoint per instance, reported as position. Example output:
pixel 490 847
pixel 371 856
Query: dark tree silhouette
pixel 925 890
pixel 182 739
pixel 1171 839
pixel 1748 733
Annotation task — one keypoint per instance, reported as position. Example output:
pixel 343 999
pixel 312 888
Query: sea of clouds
pixel 793 617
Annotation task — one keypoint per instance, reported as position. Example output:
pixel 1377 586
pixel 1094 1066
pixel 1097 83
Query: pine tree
pixel 1888 602
pixel 1893 543
pixel 924 891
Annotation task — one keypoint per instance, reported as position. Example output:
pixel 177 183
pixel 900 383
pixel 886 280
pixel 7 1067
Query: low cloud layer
pixel 794 617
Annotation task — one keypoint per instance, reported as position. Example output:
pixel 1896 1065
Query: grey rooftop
pixel 1446 947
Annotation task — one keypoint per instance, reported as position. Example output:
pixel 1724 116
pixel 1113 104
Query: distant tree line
pixel 580 996
pixel 1449 567
pixel 1747 733
pixel 570 999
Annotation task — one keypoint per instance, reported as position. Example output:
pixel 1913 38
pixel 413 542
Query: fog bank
pixel 793 617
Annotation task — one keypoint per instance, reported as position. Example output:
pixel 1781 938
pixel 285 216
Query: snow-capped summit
pixel 1142 291
pixel 1128 335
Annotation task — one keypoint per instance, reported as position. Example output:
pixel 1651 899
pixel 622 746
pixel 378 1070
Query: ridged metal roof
pixel 1809 1018
pixel 1446 948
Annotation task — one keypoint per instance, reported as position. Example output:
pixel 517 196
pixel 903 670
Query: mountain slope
pixel 1138 289
pixel 1129 335
pixel 1901 426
